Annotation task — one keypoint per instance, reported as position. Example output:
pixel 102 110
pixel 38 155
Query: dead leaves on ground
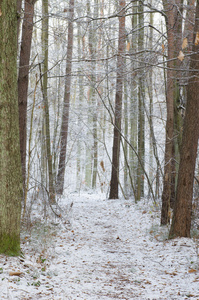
pixel 171 273
pixel 15 273
pixel 192 271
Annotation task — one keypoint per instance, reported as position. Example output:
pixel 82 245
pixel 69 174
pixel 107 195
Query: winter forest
pixel 99 116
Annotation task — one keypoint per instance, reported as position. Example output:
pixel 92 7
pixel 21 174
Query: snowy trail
pixel 114 250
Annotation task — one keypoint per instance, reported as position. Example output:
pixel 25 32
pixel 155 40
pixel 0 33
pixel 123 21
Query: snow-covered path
pixel 114 250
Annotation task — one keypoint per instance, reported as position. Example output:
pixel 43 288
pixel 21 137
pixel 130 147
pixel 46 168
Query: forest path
pixel 115 252
pixel 114 249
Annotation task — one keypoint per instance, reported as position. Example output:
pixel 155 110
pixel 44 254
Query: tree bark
pixel 79 108
pixel 141 116
pixel 10 164
pixel 181 223
pixel 150 95
pixel 46 124
pixel 189 21
pixel 125 145
pixel 65 115
pixel 23 79
pixel 19 2
pixel 168 181
pixel 93 52
pixel 133 118
pixel 118 105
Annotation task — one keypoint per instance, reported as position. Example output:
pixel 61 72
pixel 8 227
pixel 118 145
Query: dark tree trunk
pixel 172 24
pixel 23 78
pixel 118 105
pixel 181 223
pixel 10 164
pixel 65 115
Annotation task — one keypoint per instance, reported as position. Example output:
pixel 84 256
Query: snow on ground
pixel 114 249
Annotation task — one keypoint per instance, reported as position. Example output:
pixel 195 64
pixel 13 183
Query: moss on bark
pixel 10 245
pixel 10 164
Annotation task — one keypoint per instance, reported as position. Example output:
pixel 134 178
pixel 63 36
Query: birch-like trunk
pixel 66 107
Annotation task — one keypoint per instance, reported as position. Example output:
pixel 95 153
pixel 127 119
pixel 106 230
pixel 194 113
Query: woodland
pixel 100 97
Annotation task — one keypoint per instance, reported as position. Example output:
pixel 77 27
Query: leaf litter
pixel 112 249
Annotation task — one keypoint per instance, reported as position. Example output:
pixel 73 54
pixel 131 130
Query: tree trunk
pixel 10 164
pixel 171 11
pixel 118 104
pixel 23 79
pixel 141 116
pixel 79 108
pixel 65 115
pixel 125 147
pixel 188 35
pixel 92 45
pixel 189 21
pixel 150 95
pixel 134 99
pixel 178 82
pixel 19 2
pixel 95 150
pixel 181 223
pixel 45 99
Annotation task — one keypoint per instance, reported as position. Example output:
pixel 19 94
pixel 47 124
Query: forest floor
pixel 113 249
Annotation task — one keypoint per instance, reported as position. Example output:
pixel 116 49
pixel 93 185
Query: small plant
pixel 42 259
pixel 37 283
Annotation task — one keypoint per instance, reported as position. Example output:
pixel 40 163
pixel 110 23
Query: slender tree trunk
pixel 181 223
pixel 95 150
pixel 92 45
pixel 125 148
pixel 65 116
pixel 141 116
pixel 134 99
pixel 10 164
pixel 94 98
pixel 23 79
pixel 118 104
pixel 45 99
pixel 150 93
pixel 19 2
pixel 79 108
